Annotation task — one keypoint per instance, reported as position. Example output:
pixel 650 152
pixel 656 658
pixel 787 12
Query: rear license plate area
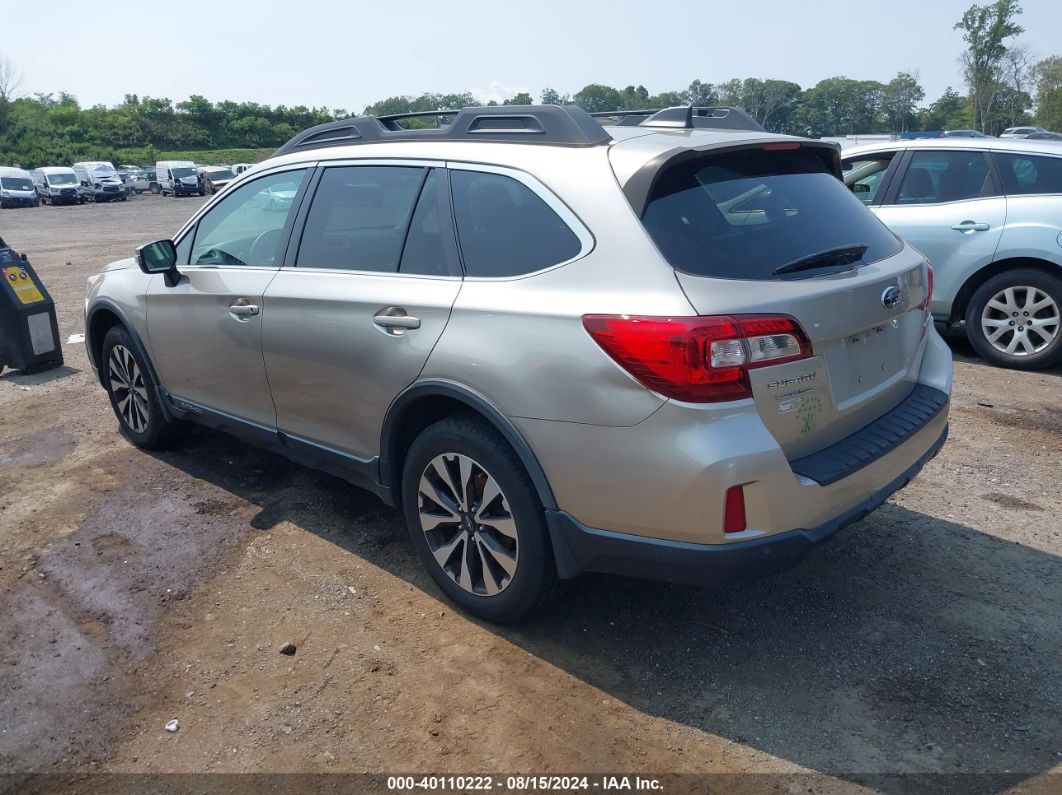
pixel 874 357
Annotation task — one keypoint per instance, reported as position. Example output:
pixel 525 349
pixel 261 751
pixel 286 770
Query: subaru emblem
pixel 891 298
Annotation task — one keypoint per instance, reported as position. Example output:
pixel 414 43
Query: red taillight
pixel 698 359
pixel 929 285
pixel 734 510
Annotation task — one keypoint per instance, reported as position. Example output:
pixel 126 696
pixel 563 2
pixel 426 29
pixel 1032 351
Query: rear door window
pixel 359 218
pixel 933 177
pixel 431 247
pixel 1029 174
pixel 744 215
pixel 505 228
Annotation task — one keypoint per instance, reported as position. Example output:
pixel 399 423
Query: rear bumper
pixel 580 549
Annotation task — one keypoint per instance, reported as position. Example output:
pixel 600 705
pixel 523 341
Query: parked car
pixel 146 181
pixel 1044 136
pixel 963 134
pixel 239 168
pixel 178 178
pixel 57 185
pixel 988 215
pixel 16 188
pixel 558 347
pixel 1020 132
pixel 128 178
pixel 278 198
pixel 100 181
pixel 215 178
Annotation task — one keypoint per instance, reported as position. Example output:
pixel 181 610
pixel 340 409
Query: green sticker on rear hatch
pixel 809 409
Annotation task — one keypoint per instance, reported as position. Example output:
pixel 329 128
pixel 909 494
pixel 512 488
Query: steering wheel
pixel 264 248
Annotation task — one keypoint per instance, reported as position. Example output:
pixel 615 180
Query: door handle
pixel 242 309
pixel 971 226
pixel 394 320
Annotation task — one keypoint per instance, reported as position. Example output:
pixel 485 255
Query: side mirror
pixel 861 188
pixel 159 257
pixel 84 183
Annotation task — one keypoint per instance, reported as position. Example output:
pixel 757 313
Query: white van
pixel 239 168
pixel 178 178
pixel 16 188
pixel 99 181
pixel 58 185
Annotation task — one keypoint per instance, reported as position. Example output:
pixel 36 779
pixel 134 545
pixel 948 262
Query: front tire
pixel 133 394
pixel 1013 319
pixel 476 521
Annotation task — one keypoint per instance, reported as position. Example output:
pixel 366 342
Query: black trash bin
pixel 29 334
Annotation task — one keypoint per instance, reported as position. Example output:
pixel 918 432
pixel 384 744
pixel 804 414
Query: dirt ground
pixel 136 588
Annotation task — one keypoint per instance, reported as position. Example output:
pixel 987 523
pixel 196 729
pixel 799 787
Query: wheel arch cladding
pixel 101 320
pixel 428 402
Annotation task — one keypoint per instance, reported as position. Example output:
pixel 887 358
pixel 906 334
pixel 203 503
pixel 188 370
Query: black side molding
pixel 871 442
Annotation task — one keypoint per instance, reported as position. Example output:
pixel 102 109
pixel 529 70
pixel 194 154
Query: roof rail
pixel 686 117
pixel 537 124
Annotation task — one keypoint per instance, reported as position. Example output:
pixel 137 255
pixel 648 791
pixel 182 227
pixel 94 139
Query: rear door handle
pixel 242 309
pixel 394 320
pixel 971 226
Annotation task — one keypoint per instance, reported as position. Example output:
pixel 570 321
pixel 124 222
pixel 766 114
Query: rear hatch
pixel 769 229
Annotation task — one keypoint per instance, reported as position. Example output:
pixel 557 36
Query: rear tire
pixel 1013 319
pixel 488 549
pixel 133 394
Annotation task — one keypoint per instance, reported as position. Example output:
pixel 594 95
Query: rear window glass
pixel 742 215
pixel 505 229
pixel 1025 174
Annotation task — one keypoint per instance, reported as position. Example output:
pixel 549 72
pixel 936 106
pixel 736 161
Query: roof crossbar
pixel 538 124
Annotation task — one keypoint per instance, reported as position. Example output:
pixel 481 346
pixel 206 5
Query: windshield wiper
pixel 842 255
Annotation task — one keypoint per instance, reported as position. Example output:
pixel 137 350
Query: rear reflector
pixel 734 510
pixel 698 359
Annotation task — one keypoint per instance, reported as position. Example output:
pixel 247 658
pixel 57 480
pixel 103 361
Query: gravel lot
pixel 138 588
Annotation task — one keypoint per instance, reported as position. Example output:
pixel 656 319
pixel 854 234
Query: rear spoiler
pixel 640 186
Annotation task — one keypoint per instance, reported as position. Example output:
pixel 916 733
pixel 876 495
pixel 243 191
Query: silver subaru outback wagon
pixel 665 344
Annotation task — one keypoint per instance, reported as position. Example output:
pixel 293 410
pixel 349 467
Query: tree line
pixel 1005 86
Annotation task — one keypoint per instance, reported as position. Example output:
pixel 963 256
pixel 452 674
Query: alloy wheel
pixel 1020 320
pixel 467 524
pixel 127 386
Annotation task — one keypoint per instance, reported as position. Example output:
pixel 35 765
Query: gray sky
pixel 349 53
